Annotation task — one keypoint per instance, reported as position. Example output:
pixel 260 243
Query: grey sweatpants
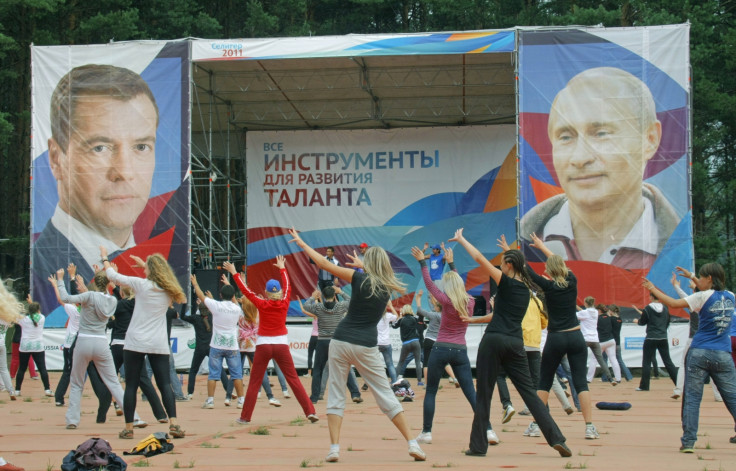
pixel 96 350
pixel 369 363
pixel 4 374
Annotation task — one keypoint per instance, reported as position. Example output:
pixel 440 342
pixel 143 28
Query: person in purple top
pixel 450 347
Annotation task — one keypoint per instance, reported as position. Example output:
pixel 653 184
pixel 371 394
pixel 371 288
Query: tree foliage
pixel 51 22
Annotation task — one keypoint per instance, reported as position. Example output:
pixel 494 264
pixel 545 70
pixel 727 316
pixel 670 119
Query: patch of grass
pixel 49 466
pixel 262 430
pixel 178 465
pixel 350 447
pixel 580 453
pixel 142 464
pixel 217 435
pixel 38 419
pixel 299 421
pixel 209 445
pixel 440 465
pixel 387 438
pixel 2 402
pixel 27 399
pixel 508 429
pixel 307 463
pixel 289 435
pixel 570 465
pixel 707 446
pixel 700 457
pixel 14 411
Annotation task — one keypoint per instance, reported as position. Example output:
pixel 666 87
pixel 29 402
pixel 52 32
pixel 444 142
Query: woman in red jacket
pixel 272 342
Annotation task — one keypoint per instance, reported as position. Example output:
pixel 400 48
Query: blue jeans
pixel 388 357
pixel 701 364
pixel 234 364
pixel 458 359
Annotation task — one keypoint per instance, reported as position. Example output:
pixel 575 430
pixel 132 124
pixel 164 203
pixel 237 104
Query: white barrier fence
pixel 632 339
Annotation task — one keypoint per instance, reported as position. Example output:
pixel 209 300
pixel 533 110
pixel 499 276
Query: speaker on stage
pixel 209 280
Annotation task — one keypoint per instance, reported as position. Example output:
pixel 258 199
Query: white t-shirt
pixel 384 328
pixel 589 324
pixel 72 327
pixel 147 329
pixel 225 317
pixel 3 329
pixel 31 339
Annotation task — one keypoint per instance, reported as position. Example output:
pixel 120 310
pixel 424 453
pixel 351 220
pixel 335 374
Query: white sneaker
pixel 417 453
pixel 287 394
pixel 190 396
pixel 591 433
pixel 533 430
pixel 259 393
pixel 492 437
pixel 274 402
pixel 208 405
pixel 332 456
pixel 424 437
pixel 227 402
pixel 676 393
pixel 140 423
pixel 241 401
pixel 49 393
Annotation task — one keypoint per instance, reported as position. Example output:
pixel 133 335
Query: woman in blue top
pixel 710 351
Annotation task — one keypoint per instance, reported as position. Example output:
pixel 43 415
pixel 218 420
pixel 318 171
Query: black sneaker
pixel 364 388
pixel 563 450
pixel 732 439
pixel 470 452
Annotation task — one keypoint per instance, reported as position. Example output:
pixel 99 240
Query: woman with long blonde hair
pixel 450 346
pixel 147 333
pixel 11 312
pixel 354 342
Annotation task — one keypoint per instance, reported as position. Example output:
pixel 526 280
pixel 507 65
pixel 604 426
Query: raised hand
pixel 355 261
pixel 52 279
pixel 224 279
pixel 458 236
pixel 139 262
pixel 72 269
pixel 449 255
pixel 296 238
pixel 280 262
pixel 417 253
pixel 229 267
pixel 193 279
pixel 114 266
pixel 684 272
pixel 501 242
pixel 674 280
pixel 60 274
pixel 426 246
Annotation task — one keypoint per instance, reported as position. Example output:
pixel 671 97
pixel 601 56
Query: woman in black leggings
pixel 564 336
pixel 502 346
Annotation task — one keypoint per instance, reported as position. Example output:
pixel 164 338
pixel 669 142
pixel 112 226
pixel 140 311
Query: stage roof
pixel 355 81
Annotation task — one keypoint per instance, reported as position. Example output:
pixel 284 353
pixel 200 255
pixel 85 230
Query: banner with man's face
pixel 110 160
pixel 603 135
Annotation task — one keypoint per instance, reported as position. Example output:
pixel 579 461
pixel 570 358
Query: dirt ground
pixel 33 434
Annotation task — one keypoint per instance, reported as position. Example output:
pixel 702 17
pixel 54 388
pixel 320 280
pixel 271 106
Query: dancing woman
pixel 147 333
pixel 502 345
pixel 709 353
pixel 354 340
pixel 10 314
pixel 564 336
pixel 450 347
pixel 32 345
pixel 272 342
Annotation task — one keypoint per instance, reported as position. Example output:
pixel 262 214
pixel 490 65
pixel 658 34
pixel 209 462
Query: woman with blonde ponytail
pixel 355 341
pixel 564 336
pixel 147 333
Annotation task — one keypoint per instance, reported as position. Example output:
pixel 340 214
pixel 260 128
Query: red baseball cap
pixel 363 245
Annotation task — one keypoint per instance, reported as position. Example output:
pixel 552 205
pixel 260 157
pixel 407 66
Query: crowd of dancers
pixel 536 330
